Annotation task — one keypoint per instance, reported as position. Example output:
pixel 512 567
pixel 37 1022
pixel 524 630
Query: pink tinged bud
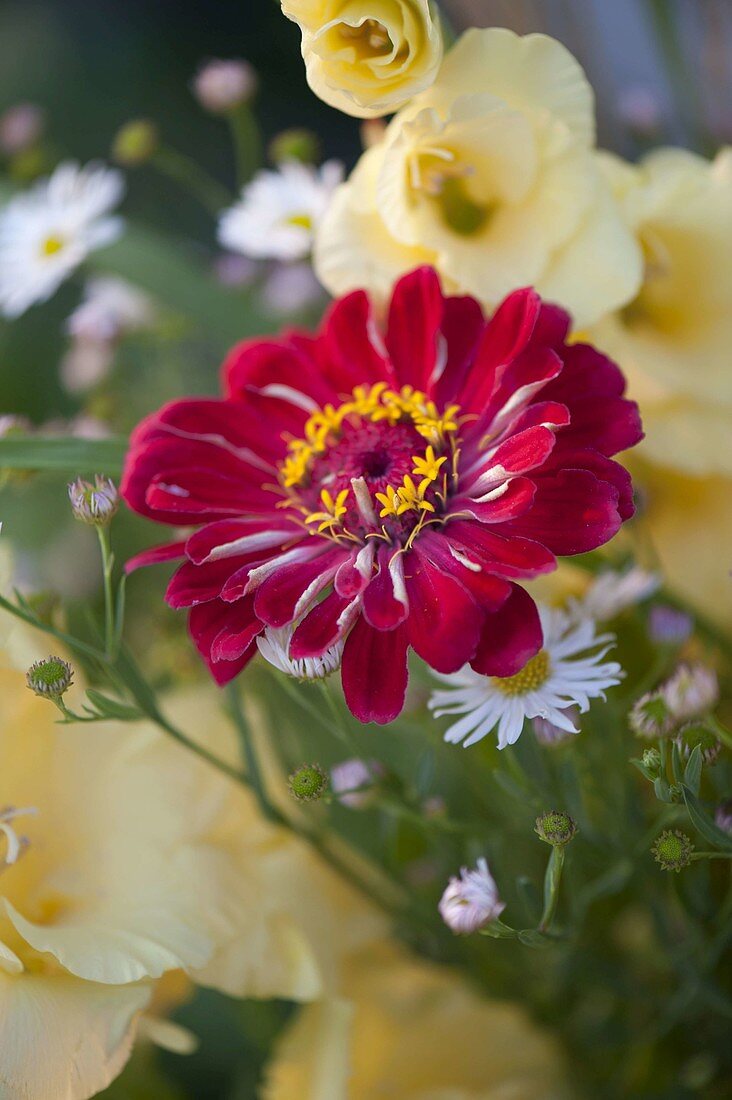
pixel 471 901
pixel 233 270
pixel 549 733
pixel 221 86
pixel 669 626
pixel 723 816
pixel 94 504
pixel 20 127
pixel 691 692
pixel 640 109
pixel 352 782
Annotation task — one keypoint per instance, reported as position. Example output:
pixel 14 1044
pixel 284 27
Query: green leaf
pixel 69 456
pixel 693 769
pixel 112 708
pixel 529 937
pixel 701 821
pixel 662 789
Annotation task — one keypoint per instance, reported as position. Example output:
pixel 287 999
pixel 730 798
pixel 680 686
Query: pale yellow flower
pixel 124 859
pixel 672 341
pixel 411 1030
pixel 368 57
pixel 490 176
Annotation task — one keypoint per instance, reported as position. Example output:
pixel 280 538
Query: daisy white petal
pixel 274 645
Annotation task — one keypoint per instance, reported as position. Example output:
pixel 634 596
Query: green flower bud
pixel 50 678
pixel 652 760
pixel 556 828
pixel 135 143
pixel 308 783
pixel 673 850
pixel 302 145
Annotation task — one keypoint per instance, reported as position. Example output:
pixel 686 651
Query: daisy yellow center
pixel 532 676
pixel 379 464
pixel 52 244
pixel 300 221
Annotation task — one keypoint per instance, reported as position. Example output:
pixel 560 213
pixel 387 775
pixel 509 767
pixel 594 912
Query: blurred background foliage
pixel 661 71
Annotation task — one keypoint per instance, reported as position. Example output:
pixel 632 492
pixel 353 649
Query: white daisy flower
pixel 568 671
pixel 471 901
pixel 279 211
pixel 46 232
pixel 274 645
pixel 612 592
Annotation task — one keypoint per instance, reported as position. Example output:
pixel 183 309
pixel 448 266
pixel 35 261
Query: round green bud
pixel 672 850
pixel 308 783
pixel 301 145
pixel 50 678
pixel 556 828
pixel 135 143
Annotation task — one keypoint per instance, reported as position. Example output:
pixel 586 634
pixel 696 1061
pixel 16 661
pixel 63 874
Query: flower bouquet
pixel 365 599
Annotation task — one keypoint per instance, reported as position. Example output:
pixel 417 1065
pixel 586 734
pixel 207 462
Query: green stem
pixel 711 855
pixel 254 773
pixel 552 880
pixel 285 684
pixel 247 143
pixel 189 175
pixel 107 566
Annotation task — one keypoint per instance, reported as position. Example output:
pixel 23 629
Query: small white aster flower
pixel 279 211
pixel 471 901
pixel 691 691
pixel 568 671
pixel 274 645
pixel 349 775
pixel 46 232
pixel 612 592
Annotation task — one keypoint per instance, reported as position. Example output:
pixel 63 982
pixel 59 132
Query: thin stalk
pixel 247 143
pixel 552 881
pixel 189 175
pixel 107 566
pixel 254 772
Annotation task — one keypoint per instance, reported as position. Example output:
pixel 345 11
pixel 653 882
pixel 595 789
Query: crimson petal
pixel 511 636
pixel 374 672
pixel 444 620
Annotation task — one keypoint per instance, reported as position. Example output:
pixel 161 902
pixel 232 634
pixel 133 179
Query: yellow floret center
pixel 532 676
pixel 418 491
pixel 52 244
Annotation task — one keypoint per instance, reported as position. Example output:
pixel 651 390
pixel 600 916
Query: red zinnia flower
pixel 388 489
